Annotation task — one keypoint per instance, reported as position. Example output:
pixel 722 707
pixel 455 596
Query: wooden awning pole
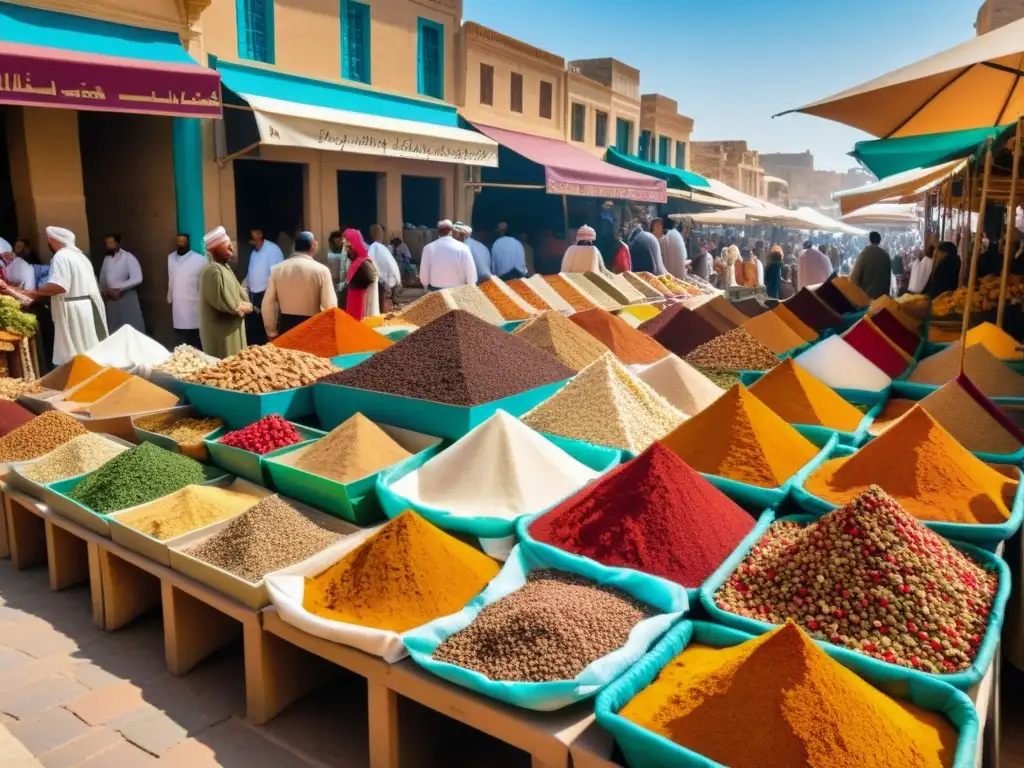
pixel 976 251
pixel 1011 217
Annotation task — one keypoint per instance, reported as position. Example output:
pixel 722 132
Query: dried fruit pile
pixel 873 579
pixel 263 436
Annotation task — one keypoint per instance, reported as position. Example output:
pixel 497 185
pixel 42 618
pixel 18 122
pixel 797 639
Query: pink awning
pixel 570 170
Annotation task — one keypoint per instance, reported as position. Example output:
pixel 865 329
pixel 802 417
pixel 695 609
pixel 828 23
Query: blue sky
pixel 732 64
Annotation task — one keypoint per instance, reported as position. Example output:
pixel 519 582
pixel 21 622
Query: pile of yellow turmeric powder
pixel 406 575
pixel 797 707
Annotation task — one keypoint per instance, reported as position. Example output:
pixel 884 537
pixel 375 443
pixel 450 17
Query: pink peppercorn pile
pixel 263 436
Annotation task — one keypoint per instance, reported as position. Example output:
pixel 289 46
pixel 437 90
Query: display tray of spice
pixel 872 580
pixel 78 456
pixel 38 437
pixel 561 337
pixel 628 344
pixel 332 333
pixel 180 429
pixel 242 451
pixel 337 473
pixel 532 637
pixel 508 303
pixel 382 583
pixel 443 380
pixel 736 350
pixel 805 704
pixel 994 378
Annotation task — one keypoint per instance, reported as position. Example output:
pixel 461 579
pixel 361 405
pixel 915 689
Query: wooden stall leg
pixel 192 629
pixel 128 592
pixel 5 546
pixel 27 536
pixel 383 711
pixel 277 673
pixel 96 585
pixel 67 557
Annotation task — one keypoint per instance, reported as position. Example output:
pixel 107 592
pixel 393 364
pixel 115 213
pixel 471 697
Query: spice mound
pixel 569 293
pixel 799 398
pixel 263 436
pixel 606 405
pixel 680 330
pixel 39 436
pixel 642 286
pixel 772 331
pixel 894 330
pixel 799 327
pixel 144 473
pixel 740 438
pixel 550 629
pixel 985 370
pixel 191 508
pixel 925 469
pixel 331 333
pixel 995 340
pixel 134 396
pixel 469 298
pixel 591 290
pixel 833 298
pixel 975 422
pixel 76 457
pixel 735 351
pixel 102 384
pixel 404 576
pixel 459 360
pixel 185 361
pixel 81 368
pixel 655 515
pixel 873 579
pixel 628 344
pixel 353 450
pixel 893 411
pixel 508 304
pixel 260 370
pixel 501 469
pixel 876 347
pixel 558 336
pixel 835 363
pixel 853 293
pixel 681 384
pixel 13 416
pixel 181 429
pixel 799 705
pixel 812 311
pixel 267 537
pixel 525 291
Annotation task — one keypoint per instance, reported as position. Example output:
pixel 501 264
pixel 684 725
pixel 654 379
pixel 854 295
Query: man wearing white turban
pixel 584 256
pixel 223 304
pixel 79 319
pixel 16 271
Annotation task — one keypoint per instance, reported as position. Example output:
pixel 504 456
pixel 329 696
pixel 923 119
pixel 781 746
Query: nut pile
pixel 734 351
pixel 185 361
pixel 82 454
pixel 181 429
pixel 505 304
pixel 263 436
pixel 264 369
pixel 12 389
pixel 268 537
pixel 550 629
pixel 39 436
pixel 873 579
pixel 191 508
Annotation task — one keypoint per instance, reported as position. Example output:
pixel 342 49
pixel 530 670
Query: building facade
pixel 604 106
pixel 807 185
pixel 664 133
pixel 994 14
pixel 732 163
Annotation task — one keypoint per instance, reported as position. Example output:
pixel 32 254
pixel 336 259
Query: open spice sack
pixel 543 639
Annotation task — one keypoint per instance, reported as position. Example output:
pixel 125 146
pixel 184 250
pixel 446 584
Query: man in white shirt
pixel 446 263
pixel 481 253
pixel 673 247
pixel 263 257
pixel 17 272
pixel 120 276
pixel 183 268
pixel 299 288
pixel 508 257
pixel 812 267
pixel 389 276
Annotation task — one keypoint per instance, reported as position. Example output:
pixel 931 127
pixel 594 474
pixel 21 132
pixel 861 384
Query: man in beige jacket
pixel 299 288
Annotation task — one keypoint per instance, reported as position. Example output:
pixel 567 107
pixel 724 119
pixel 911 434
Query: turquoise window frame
pixel 244 50
pixel 347 73
pixel 664 149
pixel 681 155
pixel 600 128
pixel 421 61
pixel 624 136
pixel 646 149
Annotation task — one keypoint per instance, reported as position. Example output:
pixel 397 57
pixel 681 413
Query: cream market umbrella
pixel 885 215
pixel 973 85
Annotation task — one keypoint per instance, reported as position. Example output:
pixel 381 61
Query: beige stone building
pixel 994 14
pixel 604 105
pixel 807 185
pixel 664 133
pixel 731 162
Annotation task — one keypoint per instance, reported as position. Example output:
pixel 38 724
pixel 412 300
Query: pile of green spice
pixel 135 477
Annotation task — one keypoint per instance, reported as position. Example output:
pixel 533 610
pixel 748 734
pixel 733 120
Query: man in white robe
pixel 673 247
pixel 120 277
pixel 183 268
pixel 17 272
pixel 584 256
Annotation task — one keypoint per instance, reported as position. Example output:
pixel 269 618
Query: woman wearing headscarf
pixel 359 297
pixel 746 269
pixel 614 251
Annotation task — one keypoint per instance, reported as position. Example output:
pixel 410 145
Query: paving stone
pixel 48 642
pixel 8 614
pixel 31 671
pixel 97 707
pixel 236 743
pixel 92 676
pixel 43 694
pixel 76 752
pixel 10 657
pixel 156 733
pixel 48 730
pixel 190 754
pixel 124 755
pixel 193 708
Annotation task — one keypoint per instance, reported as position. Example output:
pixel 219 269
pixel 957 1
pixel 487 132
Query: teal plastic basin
pixel 246 463
pixel 239 409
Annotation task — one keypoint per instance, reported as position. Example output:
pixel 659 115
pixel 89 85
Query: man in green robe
pixel 223 304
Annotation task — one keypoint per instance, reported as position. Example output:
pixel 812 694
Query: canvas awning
pixel 569 170
pixel 886 157
pixel 819 221
pixel 884 214
pixel 701 198
pixel 676 178
pixel 50 59
pixel 910 183
pixel 279 109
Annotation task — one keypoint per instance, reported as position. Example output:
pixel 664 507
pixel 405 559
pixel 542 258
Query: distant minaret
pixel 994 14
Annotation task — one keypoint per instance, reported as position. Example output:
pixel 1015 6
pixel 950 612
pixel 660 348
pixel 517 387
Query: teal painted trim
pixel 646 149
pixel 424 86
pixel 681 155
pixel 288 87
pixel 664 149
pixel 677 178
pixel 363 74
pixel 624 136
pixel 32 26
pixel 255 50
pixel 188 177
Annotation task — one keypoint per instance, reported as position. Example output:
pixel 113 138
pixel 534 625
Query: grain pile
pixel 772 331
pixel 76 457
pixel 185 361
pixel 187 510
pixel 799 327
pixel 681 384
pixel 551 628
pixel 13 416
pixel 735 351
pixel 910 598
pixel 134 396
pixel 141 474
pixel 726 380
pixel 812 311
pixel 740 438
pixel 508 304
pixel 81 368
pixel 606 405
pixel 471 299
pixel 427 309
pixel 835 363
pixel 548 294
pixel 592 290
pixel 458 360
pixel 628 344
pixel 355 449
pixel 799 398
pixel 181 429
pixel 680 330
pixel 39 436
pixel 984 369
pixel 616 286
pixel 331 333
pixel 569 293
pixel 500 469
pixel 525 291
pixel 563 339
pixel 853 293
pixel 99 385
pixel 264 369
pixel 267 537
pixel 12 389
pixel 976 423
pixel 642 286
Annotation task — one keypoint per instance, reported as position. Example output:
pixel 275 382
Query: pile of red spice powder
pixel 654 514
pixel 331 333
pixel 263 436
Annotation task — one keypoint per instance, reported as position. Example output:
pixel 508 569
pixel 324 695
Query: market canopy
pixel 976 84
pixel 735 217
pixel 763 208
pixel 911 183
pixel 50 59
pixel 676 178
pixel 569 170
pixel 886 157
pixel 701 198
pixel 884 214
pixel 280 109
pixel 823 223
